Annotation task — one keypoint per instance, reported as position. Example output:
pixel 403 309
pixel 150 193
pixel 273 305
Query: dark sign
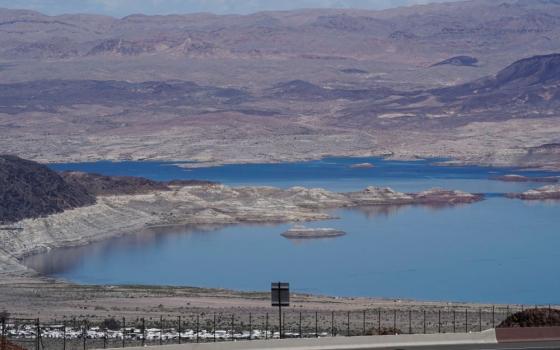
pixel 280 294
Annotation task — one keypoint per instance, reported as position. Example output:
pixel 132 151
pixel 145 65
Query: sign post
pixel 280 296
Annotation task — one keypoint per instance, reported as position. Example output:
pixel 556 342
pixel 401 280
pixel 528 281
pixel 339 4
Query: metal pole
pixel 85 334
pixel 300 334
pixel 160 330
pixel 394 320
pixel 64 335
pixel 250 326
pixel 214 328
pixel 480 320
pixel 123 330
pixel 280 311
pixel 266 327
pixel 144 332
pixel 439 321
pixel 454 321
pixel 507 311
pixel 348 325
pixel 409 321
pixel 316 324
pixel 38 330
pixel 197 327
pixel 424 321
pixel 332 323
pixel 179 327
pixel 493 317
pixel 3 333
pixel 232 326
pixel 364 323
pixel 466 320
pixel 378 321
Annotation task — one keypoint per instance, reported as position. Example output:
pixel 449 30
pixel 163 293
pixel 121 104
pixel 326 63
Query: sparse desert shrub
pixel 111 323
pixel 384 331
pixel 532 318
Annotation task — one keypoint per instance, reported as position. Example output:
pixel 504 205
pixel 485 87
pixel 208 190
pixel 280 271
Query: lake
pixel 498 251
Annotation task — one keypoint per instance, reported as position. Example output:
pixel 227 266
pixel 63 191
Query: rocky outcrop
pixel 459 61
pixel 31 190
pixel 546 192
pixel 101 185
pixel 203 204
pixel 362 166
pixel 521 178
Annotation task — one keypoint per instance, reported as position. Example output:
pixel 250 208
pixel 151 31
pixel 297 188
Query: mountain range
pixel 474 81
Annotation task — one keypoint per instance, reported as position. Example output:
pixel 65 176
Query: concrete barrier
pixel 512 335
pixel 345 343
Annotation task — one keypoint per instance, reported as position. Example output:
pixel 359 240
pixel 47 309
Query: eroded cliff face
pixel 191 205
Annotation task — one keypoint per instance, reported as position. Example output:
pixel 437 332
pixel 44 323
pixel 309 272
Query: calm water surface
pixel 498 250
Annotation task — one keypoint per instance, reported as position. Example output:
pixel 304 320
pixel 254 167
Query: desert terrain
pixel 470 81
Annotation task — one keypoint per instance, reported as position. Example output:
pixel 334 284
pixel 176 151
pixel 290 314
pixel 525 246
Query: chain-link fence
pixel 113 332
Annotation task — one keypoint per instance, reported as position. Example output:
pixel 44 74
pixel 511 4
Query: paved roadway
pixel 503 346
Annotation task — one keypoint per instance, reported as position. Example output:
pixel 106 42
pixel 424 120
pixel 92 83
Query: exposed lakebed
pixel 497 250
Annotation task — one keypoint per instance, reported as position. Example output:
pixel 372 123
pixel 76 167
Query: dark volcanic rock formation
pixel 29 189
pixel 460 61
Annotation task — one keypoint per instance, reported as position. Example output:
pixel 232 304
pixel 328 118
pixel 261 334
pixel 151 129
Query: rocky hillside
pixel 29 189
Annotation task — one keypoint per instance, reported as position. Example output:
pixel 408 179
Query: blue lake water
pixel 499 250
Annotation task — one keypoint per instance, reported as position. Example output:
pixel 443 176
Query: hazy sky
pixel 125 7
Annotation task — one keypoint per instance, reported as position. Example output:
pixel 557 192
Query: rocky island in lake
pixel 302 232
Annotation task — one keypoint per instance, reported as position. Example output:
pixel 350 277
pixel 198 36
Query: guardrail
pixel 113 332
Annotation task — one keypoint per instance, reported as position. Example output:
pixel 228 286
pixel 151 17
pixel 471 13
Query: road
pixel 506 346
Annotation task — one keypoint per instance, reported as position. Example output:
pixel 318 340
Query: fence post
pixel 38 330
pixel 507 311
pixel 144 332
pixel 214 327
pixel 3 333
pixel 179 327
pixel 250 326
pixel 466 320
pixel 480 320
pixel 160 330
pixel 197 327
pixel 105 339
pixel 493 317
pixel 316 324
pixel 424 321
pixel 379 321
pixel 332 323
pixel 123 331
pixel 439 321
pixel 233 325
pixel 300 330
pixel 266 327
pixel 85 334
pixel 364 323
pixel 348 325
pixel 454 321
pixel 394 320
pixel 409 321
pixel 64 335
